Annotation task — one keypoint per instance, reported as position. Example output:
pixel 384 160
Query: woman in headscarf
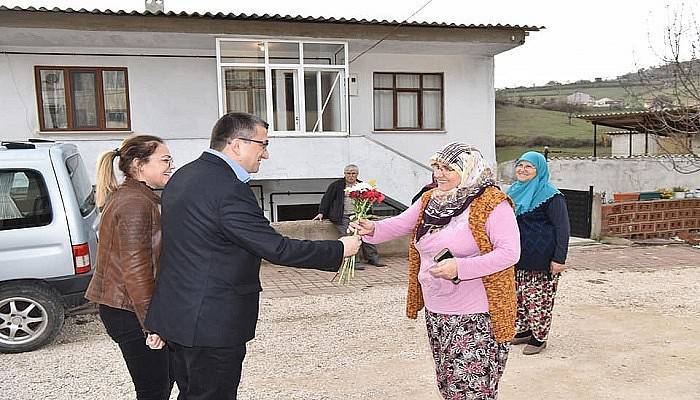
pixel 469 295
pixel 544 239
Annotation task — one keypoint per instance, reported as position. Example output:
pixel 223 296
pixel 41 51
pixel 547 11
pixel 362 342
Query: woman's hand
pixel 556 268
pixel 446 269
pixel 363 227
pixel 154 341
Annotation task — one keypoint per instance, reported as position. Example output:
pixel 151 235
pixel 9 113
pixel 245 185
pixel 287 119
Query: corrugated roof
pixel 613 114
pixel 273 18
pixel 680 120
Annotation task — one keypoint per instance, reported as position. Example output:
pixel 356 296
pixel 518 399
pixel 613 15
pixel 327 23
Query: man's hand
pixel 154 341
pixel 318 217
pixel 363 227
pixel 446 269
pixel 556 268
pixel 351 244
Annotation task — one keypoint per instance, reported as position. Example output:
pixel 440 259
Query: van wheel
pixel 31 315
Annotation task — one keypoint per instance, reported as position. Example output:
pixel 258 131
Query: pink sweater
pixel 469 296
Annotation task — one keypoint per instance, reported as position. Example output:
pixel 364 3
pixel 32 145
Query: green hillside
pixel 519 129
pixel 530 122
pixel 630 94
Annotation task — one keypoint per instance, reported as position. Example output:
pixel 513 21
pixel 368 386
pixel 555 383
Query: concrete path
pixel 289 282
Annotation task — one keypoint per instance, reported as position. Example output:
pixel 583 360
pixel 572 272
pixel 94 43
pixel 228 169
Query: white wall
pixel 469 102
pixel 611 175
pixel 176 98
pixel 620 145
pixel 169 97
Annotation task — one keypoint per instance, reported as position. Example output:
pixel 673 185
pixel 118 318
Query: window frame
pixel 99 94
pixel 299 67
pixel 419 91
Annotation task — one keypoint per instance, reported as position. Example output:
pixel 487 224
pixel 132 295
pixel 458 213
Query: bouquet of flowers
pixel 363 195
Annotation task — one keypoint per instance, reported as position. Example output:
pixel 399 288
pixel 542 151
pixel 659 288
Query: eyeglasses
pixel 263 143
pixel 167 159
pixel 526 167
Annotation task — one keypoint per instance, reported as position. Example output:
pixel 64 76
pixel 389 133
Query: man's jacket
pixel 214 237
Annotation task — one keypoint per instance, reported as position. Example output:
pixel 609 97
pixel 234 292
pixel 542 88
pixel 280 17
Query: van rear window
pixel 24 199
pixel 81 184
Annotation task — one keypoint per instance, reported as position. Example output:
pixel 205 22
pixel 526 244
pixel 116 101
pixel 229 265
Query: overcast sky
pixel 582 39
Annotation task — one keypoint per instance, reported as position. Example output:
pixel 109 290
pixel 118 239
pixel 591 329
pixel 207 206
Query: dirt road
pixel 618 333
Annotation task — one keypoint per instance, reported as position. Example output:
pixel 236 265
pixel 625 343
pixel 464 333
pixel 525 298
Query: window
pixel 296 86
pixel 24 200
pixel 82 98
pixel 80 181
pixel 408 101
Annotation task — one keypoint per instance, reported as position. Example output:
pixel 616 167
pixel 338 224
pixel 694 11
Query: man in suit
pixel 205 304
pixel 337 206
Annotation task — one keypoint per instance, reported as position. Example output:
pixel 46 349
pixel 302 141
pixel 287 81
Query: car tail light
pixel 81 258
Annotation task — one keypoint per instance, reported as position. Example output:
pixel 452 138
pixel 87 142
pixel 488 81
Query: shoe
pixel 534 346
pixel 377 263
pixel 521 338
pixel 359 267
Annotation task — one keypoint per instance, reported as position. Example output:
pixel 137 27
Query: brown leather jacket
pixel 129 250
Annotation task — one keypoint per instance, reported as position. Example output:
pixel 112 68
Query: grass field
pixel 530 122
pixel 619 93
pixel 526 123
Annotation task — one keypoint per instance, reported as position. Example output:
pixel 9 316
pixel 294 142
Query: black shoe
pixel 359 267
pixel 377 263
pixel 521 338
pixel 534 346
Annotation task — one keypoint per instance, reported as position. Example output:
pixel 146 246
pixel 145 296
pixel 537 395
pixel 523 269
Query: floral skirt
pixel 468 360
pixel 535 292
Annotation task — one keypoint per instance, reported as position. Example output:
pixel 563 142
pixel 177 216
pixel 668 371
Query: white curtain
pixel 383 109
pixel 432 112
pixel 238 101
pixel 8 208
pixel 259 103
pixel 407 110
pixel 407 81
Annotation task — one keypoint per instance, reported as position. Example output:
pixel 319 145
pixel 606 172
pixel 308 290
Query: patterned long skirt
pixel 468 360
pixel 535 292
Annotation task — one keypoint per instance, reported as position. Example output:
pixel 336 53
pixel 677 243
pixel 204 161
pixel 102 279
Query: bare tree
pixel 672 90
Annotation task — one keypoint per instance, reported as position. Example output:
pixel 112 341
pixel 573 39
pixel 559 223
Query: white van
pixel 48 240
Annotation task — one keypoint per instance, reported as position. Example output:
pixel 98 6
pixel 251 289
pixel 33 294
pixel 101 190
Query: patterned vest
pixel 500 286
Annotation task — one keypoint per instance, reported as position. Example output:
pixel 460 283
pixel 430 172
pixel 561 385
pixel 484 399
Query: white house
pixel 606 102
pixel 580 98
pixel 334 91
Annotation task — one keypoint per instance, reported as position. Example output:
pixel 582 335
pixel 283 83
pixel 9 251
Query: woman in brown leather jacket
pixel 128 255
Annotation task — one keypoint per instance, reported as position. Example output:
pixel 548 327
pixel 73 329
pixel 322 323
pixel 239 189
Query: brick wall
pixel 650 219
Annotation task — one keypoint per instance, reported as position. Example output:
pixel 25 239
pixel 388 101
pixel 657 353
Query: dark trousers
pixel 207 373
pixel 369 250
pixel 149 369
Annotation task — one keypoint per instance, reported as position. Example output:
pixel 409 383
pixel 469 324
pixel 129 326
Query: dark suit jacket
pixel 214 236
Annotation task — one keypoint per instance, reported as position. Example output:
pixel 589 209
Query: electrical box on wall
pixel 352 84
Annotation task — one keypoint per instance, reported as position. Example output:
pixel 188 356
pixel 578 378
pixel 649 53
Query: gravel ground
pixel 617 334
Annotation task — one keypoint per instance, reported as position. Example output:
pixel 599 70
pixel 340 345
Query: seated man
pixel 336 205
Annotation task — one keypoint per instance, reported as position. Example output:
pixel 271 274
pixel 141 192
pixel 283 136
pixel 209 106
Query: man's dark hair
pixel 234 125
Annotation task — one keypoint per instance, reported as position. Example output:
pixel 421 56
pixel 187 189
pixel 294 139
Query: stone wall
pixel 650 219
pixel 613 174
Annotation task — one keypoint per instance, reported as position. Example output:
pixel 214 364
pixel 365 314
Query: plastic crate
pixel 649 196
